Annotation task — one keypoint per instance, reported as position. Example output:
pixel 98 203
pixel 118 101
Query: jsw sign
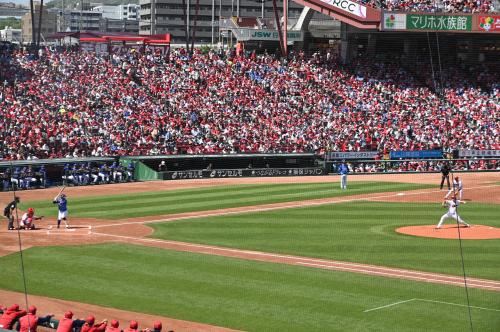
pixel 269 35
pixel 351 7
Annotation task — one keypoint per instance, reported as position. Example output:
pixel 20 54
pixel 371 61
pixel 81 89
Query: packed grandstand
pixel 76 104
pixel 448 6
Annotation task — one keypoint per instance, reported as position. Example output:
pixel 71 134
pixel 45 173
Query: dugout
pixel 54 167
pixel 234 165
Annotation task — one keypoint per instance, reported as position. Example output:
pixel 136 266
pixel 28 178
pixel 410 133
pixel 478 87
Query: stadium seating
pixel 77 104
pixel 449 6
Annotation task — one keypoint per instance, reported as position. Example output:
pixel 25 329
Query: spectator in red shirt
pixel 133 327
pixel 157 326
pixel 89 326
pixel 10 316
pixel 30 321
pixel 114 327
pixel 67 324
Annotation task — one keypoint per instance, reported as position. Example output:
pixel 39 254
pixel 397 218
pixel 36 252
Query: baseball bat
pixel 60 192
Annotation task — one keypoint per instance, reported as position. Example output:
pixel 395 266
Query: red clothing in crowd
pixel 29 322
pixel 114 326
pixel 90 327
pixel 10 315
pixel 133 327
pixel 66 323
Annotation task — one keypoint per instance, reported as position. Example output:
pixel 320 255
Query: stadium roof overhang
pixel 104 37
pixel 350 12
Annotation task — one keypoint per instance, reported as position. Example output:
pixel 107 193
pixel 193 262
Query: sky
pixel 24 2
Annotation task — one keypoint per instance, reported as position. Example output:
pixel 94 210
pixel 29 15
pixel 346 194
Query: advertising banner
pixel 235 173
pixel 478 153
pixel 422 154
pixel 398 21
pixel 348 6
pixel 266 35
pixel 164 50
pixel 394 21
pixel 439 22
pixel 352 155
pixel 97 48
pixel 126 48
pixel 488 23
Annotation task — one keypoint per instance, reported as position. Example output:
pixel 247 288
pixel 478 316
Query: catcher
pixel 27 220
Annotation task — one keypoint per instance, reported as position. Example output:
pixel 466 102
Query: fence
pixel 28 174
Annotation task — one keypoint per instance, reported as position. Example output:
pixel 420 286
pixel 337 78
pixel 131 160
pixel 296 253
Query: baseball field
pixel 280 254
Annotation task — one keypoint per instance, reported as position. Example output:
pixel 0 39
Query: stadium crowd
pixel 16 319
pixel 431 6
pixel 417 166
pixel 78 104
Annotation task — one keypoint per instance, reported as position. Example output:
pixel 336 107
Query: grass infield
pixel 201 199
pixel 246 295
pixel 357 231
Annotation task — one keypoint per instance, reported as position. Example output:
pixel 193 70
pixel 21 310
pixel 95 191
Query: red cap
pixel 115 323
pixel 133 324
pixel 68 314
pixel 157 325
pixel 31 210
pixel 32 309
pixel 14 307
pixel 90 320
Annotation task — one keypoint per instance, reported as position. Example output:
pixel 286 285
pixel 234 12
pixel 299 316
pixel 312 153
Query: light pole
pixel 213 21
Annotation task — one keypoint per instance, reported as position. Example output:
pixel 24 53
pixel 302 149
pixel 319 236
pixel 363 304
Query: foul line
pixel 458 305
pixel 389 305
pixel 407 276
pixel 305 261
pixel 431 301
pixel 295 204
pixel 334 265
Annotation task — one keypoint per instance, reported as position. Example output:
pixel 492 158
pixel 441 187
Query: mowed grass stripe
pixel 358 231
pixel 178 201
pixel 240 294
pixel 215 193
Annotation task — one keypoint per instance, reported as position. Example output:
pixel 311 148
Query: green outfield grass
pixel 355 231
pixel 246 295
pixel 200 199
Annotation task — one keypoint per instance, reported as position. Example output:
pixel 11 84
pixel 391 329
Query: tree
pixel 12 22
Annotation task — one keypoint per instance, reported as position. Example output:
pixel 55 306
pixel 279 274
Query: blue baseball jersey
pixel 62 204
pixel 343 169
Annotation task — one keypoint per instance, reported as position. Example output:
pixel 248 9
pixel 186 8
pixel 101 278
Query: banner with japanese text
pixel 236 173
pixel 418 154
pixel 478 153
pixel 456 23
pixel 439 22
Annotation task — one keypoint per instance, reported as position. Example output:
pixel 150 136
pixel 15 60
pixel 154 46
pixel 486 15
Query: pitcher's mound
pixel 476 232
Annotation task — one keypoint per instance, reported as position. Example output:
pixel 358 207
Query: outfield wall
pixel 416 165
pixel 150 168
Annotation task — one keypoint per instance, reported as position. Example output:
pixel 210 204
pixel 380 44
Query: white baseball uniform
pixel 452 213
pixel 457 186
pixel 27 221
